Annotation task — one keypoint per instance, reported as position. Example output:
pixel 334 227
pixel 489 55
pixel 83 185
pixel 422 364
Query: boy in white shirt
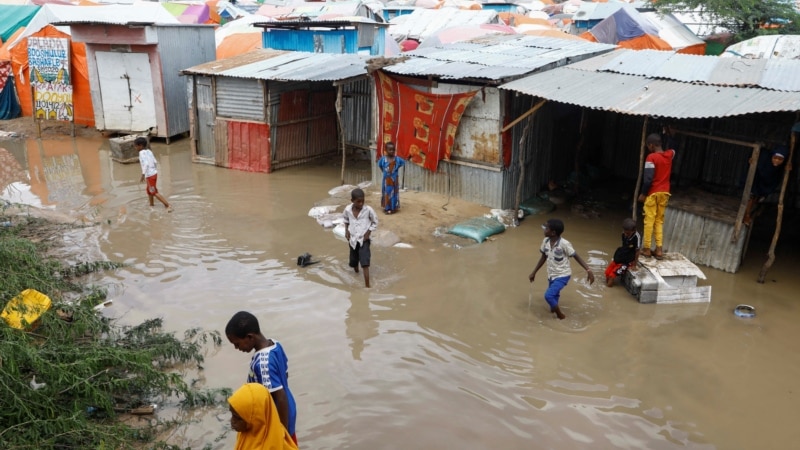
pixel 360 221
pixel 557 251
pixel 149 171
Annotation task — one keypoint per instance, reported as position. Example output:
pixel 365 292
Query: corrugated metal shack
pixel 478 169
pixel 269 109
pixel 339 35
pixel 725 112
pixel 134 71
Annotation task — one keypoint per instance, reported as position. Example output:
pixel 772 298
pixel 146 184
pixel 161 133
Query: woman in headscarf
pixel 254 417
pixel 769 172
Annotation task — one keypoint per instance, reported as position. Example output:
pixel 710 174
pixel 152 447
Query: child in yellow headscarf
pixel 254 417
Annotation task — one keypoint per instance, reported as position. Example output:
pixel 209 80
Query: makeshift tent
pixel 628 29
pixel 631 29
pixel 81 93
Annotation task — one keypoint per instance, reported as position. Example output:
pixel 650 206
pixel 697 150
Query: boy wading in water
pixel 149 171
pixel 557 251
pixel 360 221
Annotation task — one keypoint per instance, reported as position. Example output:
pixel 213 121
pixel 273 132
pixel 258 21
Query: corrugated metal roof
pixel 780 75
pixel 140 13
pixel 630 94
pixel 425 22
pixel 333 22
pixel 280 65
pixel 494 57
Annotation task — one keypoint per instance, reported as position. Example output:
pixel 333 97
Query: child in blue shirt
pixel 269 365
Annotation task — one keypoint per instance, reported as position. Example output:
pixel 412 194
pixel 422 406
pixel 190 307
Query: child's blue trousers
pixel 554 287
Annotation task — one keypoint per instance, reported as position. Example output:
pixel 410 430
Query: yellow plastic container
pixel 26 307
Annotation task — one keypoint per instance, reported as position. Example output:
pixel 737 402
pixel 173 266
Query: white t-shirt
pixel 558 257
pixel 148 162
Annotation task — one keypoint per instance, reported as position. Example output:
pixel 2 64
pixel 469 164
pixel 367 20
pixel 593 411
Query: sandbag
pixel 537 205
pixel 478 228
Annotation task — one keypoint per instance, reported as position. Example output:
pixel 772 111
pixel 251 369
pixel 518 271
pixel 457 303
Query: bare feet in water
pixel 558 312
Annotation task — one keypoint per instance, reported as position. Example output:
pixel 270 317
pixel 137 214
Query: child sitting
pixel 625 257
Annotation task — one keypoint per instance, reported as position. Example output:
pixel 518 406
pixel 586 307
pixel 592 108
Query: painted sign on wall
pixel 48 59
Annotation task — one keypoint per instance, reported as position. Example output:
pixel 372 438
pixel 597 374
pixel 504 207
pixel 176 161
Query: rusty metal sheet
pixel 281 65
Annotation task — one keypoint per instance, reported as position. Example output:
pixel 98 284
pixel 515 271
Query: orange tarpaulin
pixel 697 49
pixel 79 73
pixel 514 19
pixel 554 33
pixel 5 54
pixel 422 125
pixel 239 43
pixel 645 41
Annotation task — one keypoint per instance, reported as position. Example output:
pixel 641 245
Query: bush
pixel 67 378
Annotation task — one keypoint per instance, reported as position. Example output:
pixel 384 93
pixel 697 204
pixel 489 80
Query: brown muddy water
pixel 445 351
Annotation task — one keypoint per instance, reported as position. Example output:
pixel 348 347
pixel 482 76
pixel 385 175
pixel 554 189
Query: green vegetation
pixel 93 369
pixel 745 18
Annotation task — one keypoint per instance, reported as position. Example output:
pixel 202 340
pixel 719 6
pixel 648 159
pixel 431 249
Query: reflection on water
pixel 452 348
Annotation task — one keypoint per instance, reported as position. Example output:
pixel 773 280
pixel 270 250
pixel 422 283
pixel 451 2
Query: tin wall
pixel 703 240
pixel 239 98
pixel 537 151
pixel 302 118
pixel 181 47
pixel 313 41
pixel 357 113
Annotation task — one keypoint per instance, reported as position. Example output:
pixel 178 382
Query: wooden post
pixel 341 125
pixel 528 113
pixel 521 149
pixel 771 254
pixel 579 150
pixel 751 174
pixel 641 168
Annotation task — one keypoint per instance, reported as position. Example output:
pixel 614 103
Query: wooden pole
pixel 751 174
pixel 641 168
pixel 579 150
pixel 521 151
pixel 528 113
pixel 771 254
pixel 341 126
pixel 716 138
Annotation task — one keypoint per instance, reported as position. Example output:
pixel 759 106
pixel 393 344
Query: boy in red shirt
pixel 655 194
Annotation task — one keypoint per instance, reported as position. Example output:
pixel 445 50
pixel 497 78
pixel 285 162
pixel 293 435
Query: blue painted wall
pixel 322 41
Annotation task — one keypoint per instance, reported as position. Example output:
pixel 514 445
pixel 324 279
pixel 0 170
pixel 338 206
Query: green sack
pixel 478 228
pixel 537 205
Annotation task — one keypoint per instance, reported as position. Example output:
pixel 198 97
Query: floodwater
pixel 452 347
